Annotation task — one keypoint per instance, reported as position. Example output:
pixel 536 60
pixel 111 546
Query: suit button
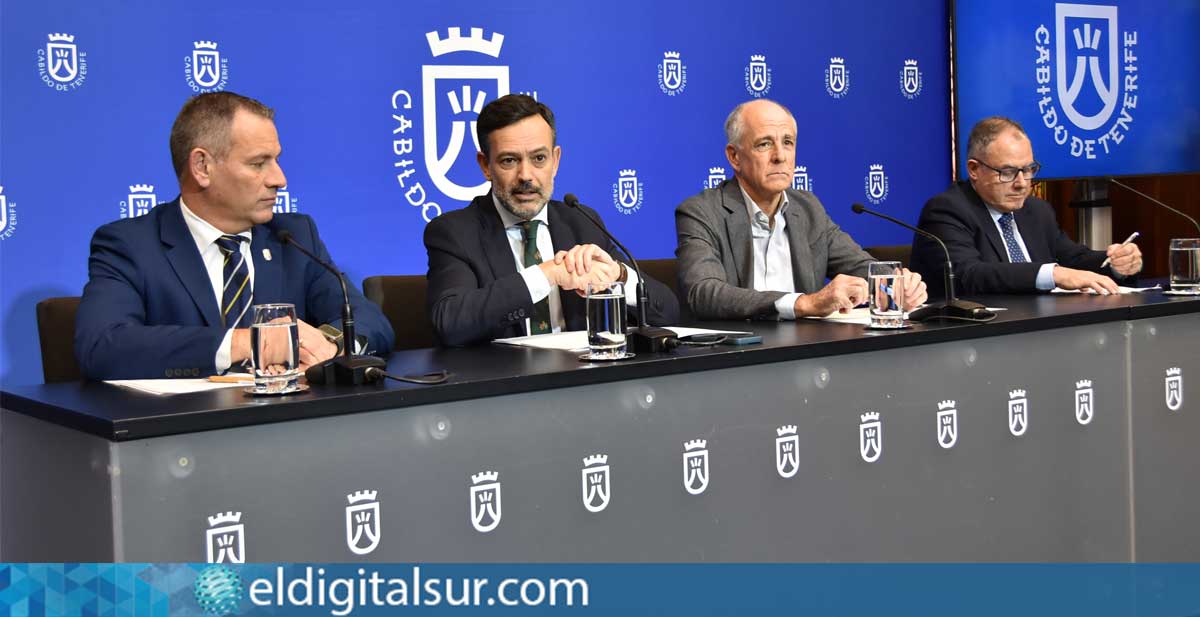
pixel 195 372
pixel 522 312
pixel 167 372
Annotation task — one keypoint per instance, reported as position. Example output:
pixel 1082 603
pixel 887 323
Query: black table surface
pixel 119 414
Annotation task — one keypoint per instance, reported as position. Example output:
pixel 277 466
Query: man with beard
pixel 497 267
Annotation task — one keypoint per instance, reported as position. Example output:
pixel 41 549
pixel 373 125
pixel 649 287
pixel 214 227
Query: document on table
pixel 1122 288
pixel 166 387
pixel 860 316
pixel 577 340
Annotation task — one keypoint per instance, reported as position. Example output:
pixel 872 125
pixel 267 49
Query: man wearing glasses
pixel 1001 239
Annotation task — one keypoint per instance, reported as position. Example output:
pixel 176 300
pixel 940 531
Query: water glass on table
pixel 606 322
pixel 885 282
pixel 275 348
pixel 1185 265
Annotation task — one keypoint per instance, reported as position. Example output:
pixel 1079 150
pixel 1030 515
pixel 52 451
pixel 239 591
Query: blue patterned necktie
pixel 237 293
pixel 1015 254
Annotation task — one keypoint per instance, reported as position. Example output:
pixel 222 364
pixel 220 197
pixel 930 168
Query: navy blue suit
pixel 149 309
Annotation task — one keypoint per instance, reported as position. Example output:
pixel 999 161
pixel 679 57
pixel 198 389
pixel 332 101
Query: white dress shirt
pixel 206 236
pixel 772 254
pixel 1045 275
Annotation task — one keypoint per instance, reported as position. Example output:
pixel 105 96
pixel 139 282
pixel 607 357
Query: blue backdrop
pixel 367 102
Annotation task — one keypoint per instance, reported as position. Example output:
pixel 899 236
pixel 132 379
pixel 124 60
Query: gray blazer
pixel 714 257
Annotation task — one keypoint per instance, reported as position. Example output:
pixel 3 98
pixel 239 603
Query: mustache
pixel 526 187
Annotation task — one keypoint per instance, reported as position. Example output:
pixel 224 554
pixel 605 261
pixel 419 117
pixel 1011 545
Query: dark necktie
pixel 1015 254
pixel 540 322
pixel 237 294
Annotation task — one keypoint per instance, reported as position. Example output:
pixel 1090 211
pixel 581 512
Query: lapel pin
pixel 267 254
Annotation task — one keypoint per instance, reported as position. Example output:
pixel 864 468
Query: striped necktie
pixel 540 322
pixel 237 293
pixel 1015 254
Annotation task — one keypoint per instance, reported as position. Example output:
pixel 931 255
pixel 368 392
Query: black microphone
pixel 952 308
pixel 347 369
pixel 1153 200
pixel 646 338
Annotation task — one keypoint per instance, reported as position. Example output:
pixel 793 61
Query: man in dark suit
pixel 169 293
pixel 502 266
pixel 1001 239
pixel 754 247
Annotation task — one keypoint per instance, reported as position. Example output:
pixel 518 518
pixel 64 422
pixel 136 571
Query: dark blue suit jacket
pixel 149 310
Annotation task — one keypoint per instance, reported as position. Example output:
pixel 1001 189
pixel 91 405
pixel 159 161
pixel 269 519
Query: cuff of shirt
pixel 631 282
pixel 786 306
pixel 222 361
pixel 1045 277
pixel 536 282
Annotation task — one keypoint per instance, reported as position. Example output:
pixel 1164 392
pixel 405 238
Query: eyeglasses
pixel 1008 174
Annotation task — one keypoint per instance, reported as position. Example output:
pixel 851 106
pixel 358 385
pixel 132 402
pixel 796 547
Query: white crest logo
pixel 141 199
pixel 226 541
pixel 787 451
pixel 8 216
pixel 205 70
pixel 61 65
pixel 800 179
pixel 947 424
pixel 695 466
pixel 595 482
pixel 837 78
pixel 1089 53
pixel 758 76
pixel 1018 412
pixel 485 501
pixel 716 175
pixel 870 437
pixel 362 522
pixel 910 80
pixel 876 184
pixel 1174 386
pixel 284 202
pixel 1084 401
pixel 672 74
pixel 627 192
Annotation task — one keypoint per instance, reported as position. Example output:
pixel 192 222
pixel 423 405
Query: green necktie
pixel 539 323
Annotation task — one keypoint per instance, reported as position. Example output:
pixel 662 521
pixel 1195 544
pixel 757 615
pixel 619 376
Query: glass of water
pixel 885 281
pixel 606 322
pixel 1185 265
pixel 275 349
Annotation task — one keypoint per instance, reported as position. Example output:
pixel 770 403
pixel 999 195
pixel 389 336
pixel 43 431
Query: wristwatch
pixel 334 335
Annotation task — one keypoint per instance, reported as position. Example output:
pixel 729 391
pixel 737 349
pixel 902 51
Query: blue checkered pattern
pixel 1015 254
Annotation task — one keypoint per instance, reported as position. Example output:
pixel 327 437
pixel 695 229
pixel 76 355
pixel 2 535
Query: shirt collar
pixel 511 220
pixel 996 214
pixel 754 211
pixel 202 231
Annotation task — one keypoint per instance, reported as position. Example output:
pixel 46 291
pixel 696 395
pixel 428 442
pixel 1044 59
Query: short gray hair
pixel 734 125
pixel 986 131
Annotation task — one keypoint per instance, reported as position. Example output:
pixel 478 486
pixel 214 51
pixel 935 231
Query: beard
pixel 523 210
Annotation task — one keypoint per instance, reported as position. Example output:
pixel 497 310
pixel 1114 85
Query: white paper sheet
pixel 577 340
pixel 1123 289
pixel 166 387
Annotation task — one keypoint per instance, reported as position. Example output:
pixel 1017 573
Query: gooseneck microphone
pixel 952 308
pixel 347 369
pixel 1153 201
pixel 646 338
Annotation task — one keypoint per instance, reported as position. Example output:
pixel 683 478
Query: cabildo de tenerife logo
pixel 140 200
pixel 716 175
pixel 8 216
pixel 876 184
pixel 285 202
pixel 758 76
pixel 837 78
pixel 1094 70
pixel 225 538
pixel 485 501
pixel 672 74
pixel 61 65
pixel 801 180
pixel 627 192
pixel 910 80
pixel 362 522
pixel 451 97
pixel 206 69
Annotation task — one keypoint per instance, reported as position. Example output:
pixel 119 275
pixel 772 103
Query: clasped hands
pixel 583 264
pixel 845 292
pixel 314 347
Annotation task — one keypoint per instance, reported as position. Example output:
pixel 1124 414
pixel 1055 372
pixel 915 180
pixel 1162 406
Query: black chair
pixel 402 298
pixel 892 252
pixel 56 334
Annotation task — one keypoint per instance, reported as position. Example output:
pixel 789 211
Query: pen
pixel 1133 236
pixel 232 378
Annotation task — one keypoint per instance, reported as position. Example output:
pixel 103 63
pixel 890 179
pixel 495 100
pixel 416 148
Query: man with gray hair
pixel 1002 239
pixel 753 247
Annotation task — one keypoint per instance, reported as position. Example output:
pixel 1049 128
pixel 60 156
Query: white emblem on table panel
pixel 8 216
pixel 485 501
pixel 870 437
pixel 1174 388
pixel 716 175
pixel 363 527
pixel 947 424
pixel 910 80
pixel 787 450
pixel 226 538
pixel 1018 412
pixel 672 74
pixel 695 466
pixel 61 66
pixel 758 76
pixel 285 202
pixel 800 179
pixel 627 192
pixel 595 482
pixel 205 70
pixel 837 78
pixel 140 200
pixel 876 184
pixel 1084 401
